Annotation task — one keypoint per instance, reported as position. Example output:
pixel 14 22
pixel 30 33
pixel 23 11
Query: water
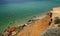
pixel 14 13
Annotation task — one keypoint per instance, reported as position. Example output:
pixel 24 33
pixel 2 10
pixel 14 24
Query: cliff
pixel 37 27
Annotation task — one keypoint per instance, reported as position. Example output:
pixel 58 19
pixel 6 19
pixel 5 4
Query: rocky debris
pixel 11 29
pixel 52 32
pixel 6 34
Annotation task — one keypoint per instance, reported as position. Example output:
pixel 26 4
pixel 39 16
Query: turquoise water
pixel 14 13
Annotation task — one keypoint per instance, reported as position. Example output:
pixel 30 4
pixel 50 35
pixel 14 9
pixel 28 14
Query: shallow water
pixel 14 13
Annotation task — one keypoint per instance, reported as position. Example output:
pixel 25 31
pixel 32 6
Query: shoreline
pixel 25 21
pixel 37 17
pixel 32 17
pixel 39 23
pixel 35 26
pixel 27 24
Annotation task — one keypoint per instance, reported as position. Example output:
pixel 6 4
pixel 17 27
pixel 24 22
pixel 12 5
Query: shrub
pixel 57 20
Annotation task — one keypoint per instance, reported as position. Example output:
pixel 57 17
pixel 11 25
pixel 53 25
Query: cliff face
pixel 55 12
pixel 38 27
pixel 54 30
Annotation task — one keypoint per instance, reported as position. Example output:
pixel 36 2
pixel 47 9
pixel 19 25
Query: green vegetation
pixel 57 20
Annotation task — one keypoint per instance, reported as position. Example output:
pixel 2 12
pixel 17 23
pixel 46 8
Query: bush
pixel 57 20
